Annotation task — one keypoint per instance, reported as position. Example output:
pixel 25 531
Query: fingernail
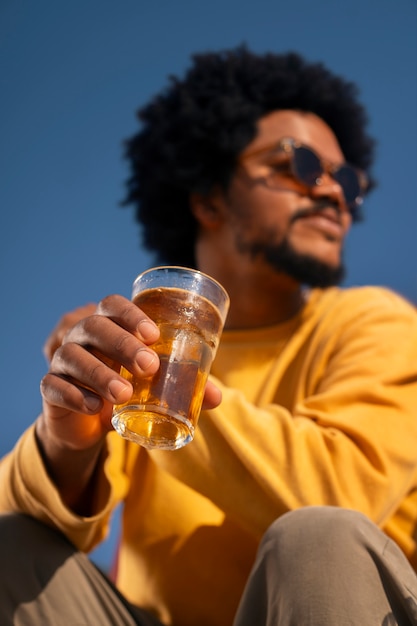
pixel 145 358
pixel 92 403
pixel 148 330
pixel 116 387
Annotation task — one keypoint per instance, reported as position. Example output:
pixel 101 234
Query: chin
pixel 314 271
pixel 328 251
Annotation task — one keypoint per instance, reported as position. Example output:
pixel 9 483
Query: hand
pixel 86 350
pixel 83 381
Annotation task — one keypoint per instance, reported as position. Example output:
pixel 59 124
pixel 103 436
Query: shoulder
pixel 365 299
pixel 357 309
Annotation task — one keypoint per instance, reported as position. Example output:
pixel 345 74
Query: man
pixel 297 501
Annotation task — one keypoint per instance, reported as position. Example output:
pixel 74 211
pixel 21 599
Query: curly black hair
pixel 192 133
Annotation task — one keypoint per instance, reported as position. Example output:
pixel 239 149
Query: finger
pixel 82 376
pixel 212 396
pixel 130 317
pixel 57 391
pixel 100 335
pixel 68 419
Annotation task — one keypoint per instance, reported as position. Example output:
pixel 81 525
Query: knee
pixel 19 528
pixel 319 526
pixel 15 530
pixel 31 554
pixel 24 538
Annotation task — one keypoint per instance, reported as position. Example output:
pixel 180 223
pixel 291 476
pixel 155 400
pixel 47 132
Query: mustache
pixel 317 208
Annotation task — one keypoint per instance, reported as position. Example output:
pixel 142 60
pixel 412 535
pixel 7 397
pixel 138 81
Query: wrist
pixel 71 470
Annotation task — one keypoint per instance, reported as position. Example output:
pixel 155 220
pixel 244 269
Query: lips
pixel 327 221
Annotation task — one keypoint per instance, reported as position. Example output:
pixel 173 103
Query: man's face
pixel 276 220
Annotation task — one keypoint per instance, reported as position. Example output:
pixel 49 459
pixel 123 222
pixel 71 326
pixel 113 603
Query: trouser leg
pixel 327 566
pixel 45 581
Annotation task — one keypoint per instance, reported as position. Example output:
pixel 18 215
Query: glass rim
pixel 185 270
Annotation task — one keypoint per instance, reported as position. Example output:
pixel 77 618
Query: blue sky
pixel 72 76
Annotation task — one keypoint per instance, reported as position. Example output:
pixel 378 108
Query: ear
pixel 208 209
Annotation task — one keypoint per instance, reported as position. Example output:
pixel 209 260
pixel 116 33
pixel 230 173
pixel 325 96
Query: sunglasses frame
pixel 290 146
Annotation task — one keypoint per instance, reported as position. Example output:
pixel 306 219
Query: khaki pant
pixel 318 566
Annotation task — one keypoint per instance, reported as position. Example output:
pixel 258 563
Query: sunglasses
pixel 308 168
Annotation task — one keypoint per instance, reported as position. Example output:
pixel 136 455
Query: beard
pixel 284 259
pixel 302 267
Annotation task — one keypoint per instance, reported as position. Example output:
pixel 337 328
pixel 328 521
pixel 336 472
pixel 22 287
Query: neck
pixel 257 298
pixel 259 307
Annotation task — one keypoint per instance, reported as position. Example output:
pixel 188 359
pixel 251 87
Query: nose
pixel 328 187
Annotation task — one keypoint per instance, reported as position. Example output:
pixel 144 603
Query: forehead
pixel 307 128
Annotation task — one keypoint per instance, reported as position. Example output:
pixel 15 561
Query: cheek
pixel 257 213
pixel 259 204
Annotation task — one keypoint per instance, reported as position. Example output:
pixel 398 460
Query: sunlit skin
pixel 250 208
pixel 89 345
pixel 86 350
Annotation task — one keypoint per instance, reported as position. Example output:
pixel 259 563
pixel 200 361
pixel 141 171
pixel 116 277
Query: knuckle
pixel 44 385
pixel 129 314
pixel 122 311
pixel 79 331
pixel 63 353
pixel 125 343
pixel 104 304
pixel 89 324
pixel 55 390
pixel 63 336
pixel 107 304
pixel 97 375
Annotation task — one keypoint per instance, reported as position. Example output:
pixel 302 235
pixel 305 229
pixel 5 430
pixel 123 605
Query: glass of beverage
pixel 190 309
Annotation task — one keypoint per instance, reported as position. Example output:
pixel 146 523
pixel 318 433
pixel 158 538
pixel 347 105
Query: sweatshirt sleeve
pixel 349 440
pixel 25 487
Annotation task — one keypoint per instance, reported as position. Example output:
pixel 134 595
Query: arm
pixel 65 458
pixel 57 473
pixel 80 389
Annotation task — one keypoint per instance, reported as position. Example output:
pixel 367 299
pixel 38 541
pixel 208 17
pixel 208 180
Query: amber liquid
pixel 164 408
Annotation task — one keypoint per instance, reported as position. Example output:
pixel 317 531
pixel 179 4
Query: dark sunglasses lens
pixel 348 179
pixel 306 166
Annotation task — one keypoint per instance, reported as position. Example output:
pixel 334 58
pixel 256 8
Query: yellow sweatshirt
pixel 319 410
